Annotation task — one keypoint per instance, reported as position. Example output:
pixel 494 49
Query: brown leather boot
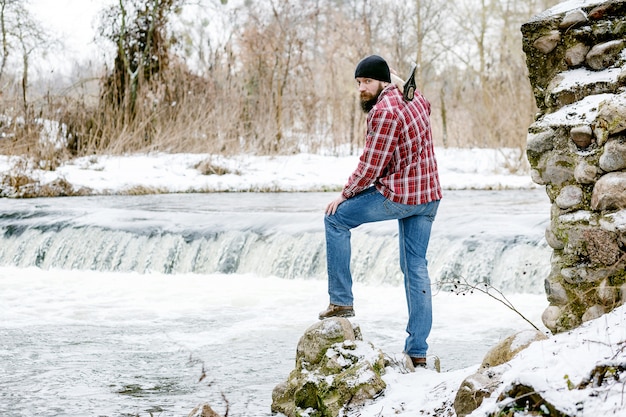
pixel 412 363
pixel 336 311
pixel 418 362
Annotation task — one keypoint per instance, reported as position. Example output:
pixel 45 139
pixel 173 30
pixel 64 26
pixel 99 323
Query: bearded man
pixel 396 178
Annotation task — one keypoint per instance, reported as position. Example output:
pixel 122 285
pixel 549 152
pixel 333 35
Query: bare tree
pixel 416 37
pixel 138 28
pixel 23 34
pixel 5 12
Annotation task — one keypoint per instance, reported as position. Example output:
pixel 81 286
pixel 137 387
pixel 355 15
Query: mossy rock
pixel 511 346
pixel 334 369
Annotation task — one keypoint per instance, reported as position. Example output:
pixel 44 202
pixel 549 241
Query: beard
pixel 368 101
pixel 367 105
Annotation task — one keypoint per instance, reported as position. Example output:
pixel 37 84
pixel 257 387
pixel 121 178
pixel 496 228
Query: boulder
pixel 608 295
pixel 612 114
pixel 509 347
pixel 475 388
pixel 540 142
pixel 556 292
pixel 556 168
pixel 550 317
pixel 553 240
pixel 334 369
pixel 593 312
pixel 602 246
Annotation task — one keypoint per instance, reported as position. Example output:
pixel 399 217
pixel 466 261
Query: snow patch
pixel 583 76
pixel 582 112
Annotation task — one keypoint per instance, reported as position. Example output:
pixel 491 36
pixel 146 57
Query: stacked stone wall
pixel 576 57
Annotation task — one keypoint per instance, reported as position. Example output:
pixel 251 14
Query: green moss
pixel 310 396
pixel 568 320
pixel 618 279
pixel 619 28
pixel 615 122
pixel 533 158
pixel 553 191
pixel 578 309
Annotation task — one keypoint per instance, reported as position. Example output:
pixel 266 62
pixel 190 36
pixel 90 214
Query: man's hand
pixel 331 208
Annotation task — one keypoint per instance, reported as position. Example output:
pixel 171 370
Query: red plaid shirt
pixel 398 157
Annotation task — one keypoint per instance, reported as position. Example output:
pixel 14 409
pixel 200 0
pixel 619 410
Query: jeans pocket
pixel 397 210
pixel 432 212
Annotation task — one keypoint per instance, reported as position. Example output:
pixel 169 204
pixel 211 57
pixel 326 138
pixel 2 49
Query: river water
pixel 150 305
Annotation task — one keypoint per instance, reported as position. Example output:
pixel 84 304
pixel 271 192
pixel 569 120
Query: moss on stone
pixel 341 369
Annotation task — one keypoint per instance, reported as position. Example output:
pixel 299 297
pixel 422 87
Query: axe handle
pixel 409 86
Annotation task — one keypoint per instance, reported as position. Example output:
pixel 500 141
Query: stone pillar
pixel 576 58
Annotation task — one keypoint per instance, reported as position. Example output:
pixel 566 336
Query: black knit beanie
pixel 373 67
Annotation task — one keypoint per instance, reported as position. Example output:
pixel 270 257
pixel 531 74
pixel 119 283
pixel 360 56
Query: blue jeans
pixel 414 223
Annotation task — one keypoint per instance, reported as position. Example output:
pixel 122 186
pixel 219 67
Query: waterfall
pixel 516 265
pixel 271 235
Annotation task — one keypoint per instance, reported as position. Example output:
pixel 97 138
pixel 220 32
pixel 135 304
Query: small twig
pixel 227 404
pixel 622 347
pixel 462 287
pixel 598 342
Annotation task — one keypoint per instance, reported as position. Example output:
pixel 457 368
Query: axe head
pixel 409 86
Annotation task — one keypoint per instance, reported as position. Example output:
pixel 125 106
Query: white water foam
pixel 112 344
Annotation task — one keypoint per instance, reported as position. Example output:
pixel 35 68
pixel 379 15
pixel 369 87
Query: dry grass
pixel 213 114
pixel 210 167
pixel 143 190
pixel 20 185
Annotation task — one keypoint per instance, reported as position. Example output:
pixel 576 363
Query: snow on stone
pixel 330 327
pixel 579 113
pixel 617 222
pixel 584 76
pixel 522 339
pixel 577 216
pixel 566 6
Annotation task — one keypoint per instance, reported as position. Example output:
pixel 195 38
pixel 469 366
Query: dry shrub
pixel 13 183
pixel 209 167
pixel 60 188
pixel 19 184
pixel 217 114
pixel 20 135
pixel 493 114
pixel 144 190
pixel 30 134
pixel 18 181
pixel 176 113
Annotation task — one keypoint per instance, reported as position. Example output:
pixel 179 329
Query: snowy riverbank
pixel 460 169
